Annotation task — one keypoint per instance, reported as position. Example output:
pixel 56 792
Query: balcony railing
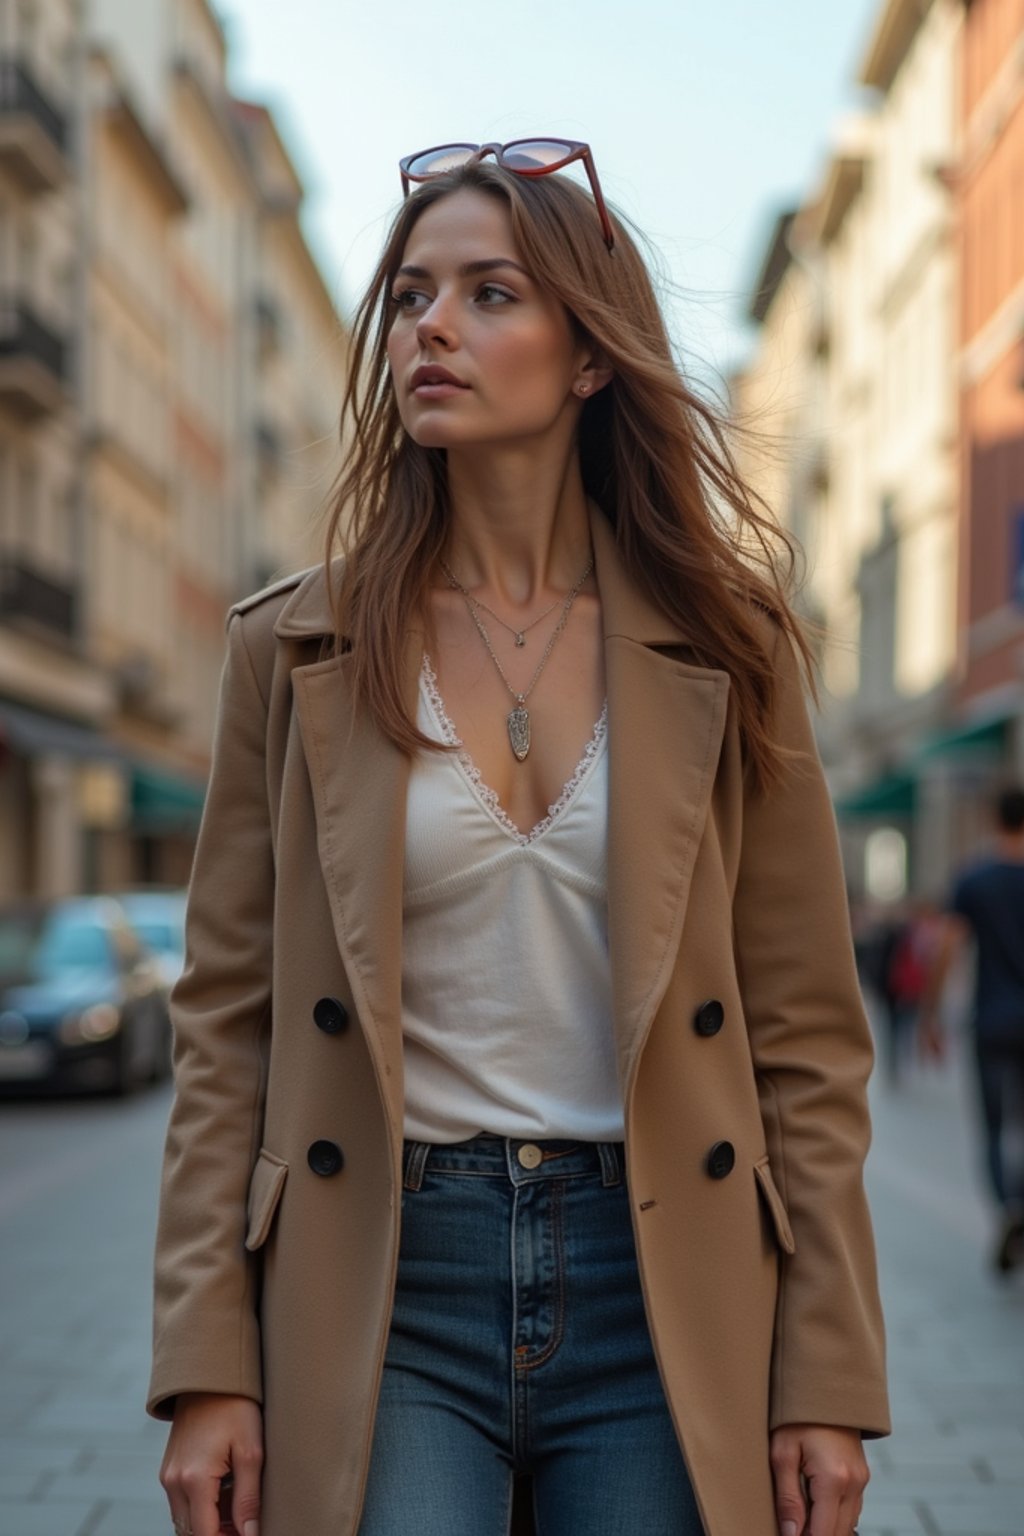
pixel 34 137
pixel 23 334
pixel 34 360
pixel 27 593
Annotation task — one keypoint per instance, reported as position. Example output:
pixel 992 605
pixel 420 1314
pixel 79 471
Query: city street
pixel 78 1457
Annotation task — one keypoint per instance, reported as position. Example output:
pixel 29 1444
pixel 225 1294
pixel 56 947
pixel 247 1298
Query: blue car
pixel 82 1002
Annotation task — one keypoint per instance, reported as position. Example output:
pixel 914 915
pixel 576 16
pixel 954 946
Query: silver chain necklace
pixel 518 719
pixel 520 634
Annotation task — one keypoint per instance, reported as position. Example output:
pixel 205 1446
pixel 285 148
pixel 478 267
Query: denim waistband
pixel 515 1158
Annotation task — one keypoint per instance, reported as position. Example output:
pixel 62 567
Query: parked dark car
pixel 82 1003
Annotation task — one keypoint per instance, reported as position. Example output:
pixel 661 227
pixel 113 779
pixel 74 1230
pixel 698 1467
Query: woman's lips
pixel 439 391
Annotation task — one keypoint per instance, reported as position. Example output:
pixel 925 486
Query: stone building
pixel 989 188
pixel 171 363
pixel 879 516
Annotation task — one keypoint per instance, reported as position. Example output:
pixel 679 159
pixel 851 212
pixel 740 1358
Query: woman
pixel 521 1063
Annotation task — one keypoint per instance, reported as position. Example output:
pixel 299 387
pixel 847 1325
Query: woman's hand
pixel 830 1462
pixel 213 1434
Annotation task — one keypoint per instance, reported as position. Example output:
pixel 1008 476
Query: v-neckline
pixel 489 797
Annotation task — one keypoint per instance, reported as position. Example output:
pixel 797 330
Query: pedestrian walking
pixel 986 906
pixel 909 963
pixel 521 1063
pixel 875 949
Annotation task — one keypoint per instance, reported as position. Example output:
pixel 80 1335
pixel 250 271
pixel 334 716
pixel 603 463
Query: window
pixel 26 499
pixel 6 497
pixel 26 255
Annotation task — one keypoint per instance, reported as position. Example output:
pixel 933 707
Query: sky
pixel 705 119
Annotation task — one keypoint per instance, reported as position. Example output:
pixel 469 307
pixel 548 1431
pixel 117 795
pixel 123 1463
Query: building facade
pixel 54 697
pixel 989 185
pixel 777 400
pixel 160 311
pixel 881 529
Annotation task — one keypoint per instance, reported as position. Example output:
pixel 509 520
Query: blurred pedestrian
pixel 521 1063
pixel 987 906
pixel 910 960
pixel 879 940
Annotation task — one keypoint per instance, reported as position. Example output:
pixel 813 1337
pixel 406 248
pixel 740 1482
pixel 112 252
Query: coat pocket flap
pixel 773 1200
pixel 265 1188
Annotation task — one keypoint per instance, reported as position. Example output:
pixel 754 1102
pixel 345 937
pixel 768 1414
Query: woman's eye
pixel 487 291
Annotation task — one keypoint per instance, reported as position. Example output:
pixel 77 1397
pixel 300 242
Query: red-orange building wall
pixel 991 184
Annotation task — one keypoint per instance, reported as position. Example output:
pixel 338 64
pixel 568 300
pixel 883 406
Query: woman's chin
pixel 437 434
pixel 443 434
pixel 433 436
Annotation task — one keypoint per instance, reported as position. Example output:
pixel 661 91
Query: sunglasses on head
pixel 526 157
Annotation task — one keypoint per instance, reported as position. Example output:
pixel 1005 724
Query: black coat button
pixel 330 1015
pixel 709 1017
pixel 325 1158
pixel 721 1159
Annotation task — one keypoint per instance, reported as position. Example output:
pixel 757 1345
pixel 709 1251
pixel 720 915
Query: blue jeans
pixel 519 1344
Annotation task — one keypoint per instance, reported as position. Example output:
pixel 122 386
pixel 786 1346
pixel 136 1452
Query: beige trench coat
pixel 275 1280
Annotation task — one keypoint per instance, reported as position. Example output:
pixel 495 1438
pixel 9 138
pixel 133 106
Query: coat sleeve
pixel 205 1332
pixel 812 1054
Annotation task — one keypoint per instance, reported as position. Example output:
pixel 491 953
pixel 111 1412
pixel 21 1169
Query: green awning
pixel 165 802
pixel 988 736
pixel 891 795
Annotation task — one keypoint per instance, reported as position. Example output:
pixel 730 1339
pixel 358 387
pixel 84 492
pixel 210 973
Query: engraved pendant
pixel 519 731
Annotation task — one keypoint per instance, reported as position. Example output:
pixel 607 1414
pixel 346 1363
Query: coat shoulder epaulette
pixel 285 584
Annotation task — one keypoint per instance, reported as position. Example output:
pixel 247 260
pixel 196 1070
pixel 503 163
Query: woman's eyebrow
pixel 468 268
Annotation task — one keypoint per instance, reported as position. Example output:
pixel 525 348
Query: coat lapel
pixel 359 782
pixel 665 724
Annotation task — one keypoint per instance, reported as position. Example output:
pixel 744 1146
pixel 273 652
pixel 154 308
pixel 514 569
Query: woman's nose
pixel 436 322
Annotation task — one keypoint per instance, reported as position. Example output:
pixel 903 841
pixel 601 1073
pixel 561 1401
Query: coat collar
pixel 665 725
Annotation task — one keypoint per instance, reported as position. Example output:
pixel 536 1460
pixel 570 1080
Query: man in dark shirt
pixel 987 904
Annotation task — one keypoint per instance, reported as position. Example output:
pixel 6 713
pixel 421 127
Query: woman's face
pixel 509 344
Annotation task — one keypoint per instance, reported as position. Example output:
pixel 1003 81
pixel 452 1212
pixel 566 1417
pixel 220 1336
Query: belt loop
pixel 611 1166
pixel 416 1154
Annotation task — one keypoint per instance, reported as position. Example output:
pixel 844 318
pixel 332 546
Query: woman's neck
pixel 516 530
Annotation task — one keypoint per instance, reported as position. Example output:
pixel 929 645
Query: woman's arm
pixel 812 1054
pixel 205 1327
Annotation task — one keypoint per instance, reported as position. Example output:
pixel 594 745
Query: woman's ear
pixel 593 373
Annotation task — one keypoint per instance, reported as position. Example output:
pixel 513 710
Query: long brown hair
pixel 654 456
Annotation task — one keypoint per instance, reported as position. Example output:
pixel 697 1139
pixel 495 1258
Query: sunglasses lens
pixel 536 153
pixel 434 162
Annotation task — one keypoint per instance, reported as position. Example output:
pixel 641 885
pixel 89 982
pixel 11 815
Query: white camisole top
pixel 506 994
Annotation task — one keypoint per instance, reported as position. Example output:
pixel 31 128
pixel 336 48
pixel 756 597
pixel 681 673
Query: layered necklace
pixel 518 718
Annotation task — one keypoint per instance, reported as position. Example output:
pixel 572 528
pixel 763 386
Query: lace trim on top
pixel 488 795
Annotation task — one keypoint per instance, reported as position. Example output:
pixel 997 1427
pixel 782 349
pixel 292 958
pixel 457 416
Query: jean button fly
pixel 529 1156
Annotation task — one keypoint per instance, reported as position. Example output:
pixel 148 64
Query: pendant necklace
pixel 519 634
pixel 518 719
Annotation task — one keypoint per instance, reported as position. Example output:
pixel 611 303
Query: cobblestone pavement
pixel 954 1465
pixel 78 1457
